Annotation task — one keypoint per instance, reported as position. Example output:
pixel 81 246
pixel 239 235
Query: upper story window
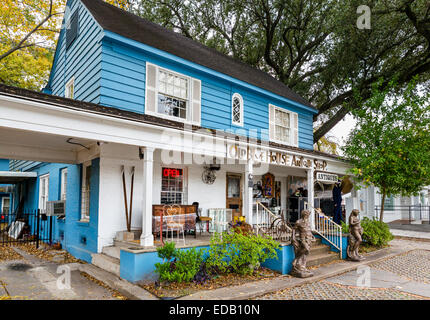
pixel 283 126
pixel 70 89
pixel 237 110
pixel 172 95
pixel 72 29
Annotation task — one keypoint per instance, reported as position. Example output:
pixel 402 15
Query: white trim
pixel 2 204
pixel 46 195
pixel 70 83
pixel 58 119
pixel 291 113
pixel 63 184
pixel 242 110
pixel 189 119
pixel 84 217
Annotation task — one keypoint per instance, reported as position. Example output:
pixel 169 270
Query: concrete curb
pixel 124 287
pixel 259 288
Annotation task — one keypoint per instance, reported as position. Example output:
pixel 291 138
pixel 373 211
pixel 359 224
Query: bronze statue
pixel 354 239
pixel 301 239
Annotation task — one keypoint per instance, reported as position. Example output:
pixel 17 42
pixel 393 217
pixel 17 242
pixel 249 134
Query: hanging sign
pixel 326 177
pixel 246 153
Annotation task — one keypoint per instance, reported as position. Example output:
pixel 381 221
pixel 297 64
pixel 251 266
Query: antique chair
pixel 201 220
pixel 174 222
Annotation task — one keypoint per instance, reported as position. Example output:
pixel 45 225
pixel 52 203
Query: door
pixel 234 193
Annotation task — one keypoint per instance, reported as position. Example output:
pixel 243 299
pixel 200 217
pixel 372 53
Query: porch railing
pixel 409 214
pixel 329 230
pixel 270 224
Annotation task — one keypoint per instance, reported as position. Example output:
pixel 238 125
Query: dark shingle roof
pixel 136 28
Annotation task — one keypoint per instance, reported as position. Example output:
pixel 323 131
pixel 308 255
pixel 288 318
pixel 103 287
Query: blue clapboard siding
pixel 111 70
pixel 123 86
pixel 81 60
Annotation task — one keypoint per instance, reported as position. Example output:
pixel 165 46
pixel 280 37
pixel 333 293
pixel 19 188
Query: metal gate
pixel 27 226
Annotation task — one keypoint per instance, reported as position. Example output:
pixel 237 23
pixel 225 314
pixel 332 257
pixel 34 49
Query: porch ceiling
pixel 8 177
pixel 34 146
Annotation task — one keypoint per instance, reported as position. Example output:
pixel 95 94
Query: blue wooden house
pixel 128 98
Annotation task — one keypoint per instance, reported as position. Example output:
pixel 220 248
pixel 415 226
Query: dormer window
pixel 172 95
pixel 237 110
pixel 283 126
pixel 70 89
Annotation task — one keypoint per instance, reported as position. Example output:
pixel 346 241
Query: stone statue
pixel 354 239
pixel 301 239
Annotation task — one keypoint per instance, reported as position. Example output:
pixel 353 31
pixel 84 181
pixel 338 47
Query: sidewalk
pixel 259 288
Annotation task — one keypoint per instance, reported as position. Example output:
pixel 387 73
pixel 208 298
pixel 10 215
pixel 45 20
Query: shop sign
pixel 246 153
pixel 326 177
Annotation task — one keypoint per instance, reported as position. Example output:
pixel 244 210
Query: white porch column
pixel 310 174
pixel 147 239
pixel 284 187
pixel 247 195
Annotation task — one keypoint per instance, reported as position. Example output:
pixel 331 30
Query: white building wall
pixel 111 202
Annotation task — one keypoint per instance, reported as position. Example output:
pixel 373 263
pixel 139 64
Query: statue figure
pixel 354 239
pixel 301 239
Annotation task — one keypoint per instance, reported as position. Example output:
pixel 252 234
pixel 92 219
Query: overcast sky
pixel 342 129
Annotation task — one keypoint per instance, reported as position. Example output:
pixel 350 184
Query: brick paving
pixel 413 265
pixel 323 290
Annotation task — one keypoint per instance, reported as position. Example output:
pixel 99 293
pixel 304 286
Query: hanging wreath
pixel 208 176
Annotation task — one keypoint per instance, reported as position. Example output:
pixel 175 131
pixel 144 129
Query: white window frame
pixel 43 198
pixel 63 187
pixel 184 182
pixel 190 102
pixel 238 96
pixel 2 205
pixel 273 121
pixel 69 84
pixel 85 194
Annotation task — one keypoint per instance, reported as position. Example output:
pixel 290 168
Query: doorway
pixel 234 193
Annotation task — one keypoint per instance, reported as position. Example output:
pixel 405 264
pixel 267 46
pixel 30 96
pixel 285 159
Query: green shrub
pixel 375 232
pixel 239 253
pixel 178 265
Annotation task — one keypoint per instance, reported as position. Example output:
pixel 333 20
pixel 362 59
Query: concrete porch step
pixel 319 249
pixel 317 259
pixel 106 262
pixel 112 251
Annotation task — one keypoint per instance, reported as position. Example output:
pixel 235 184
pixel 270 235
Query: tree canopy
pixel 314 47
pixel 390 147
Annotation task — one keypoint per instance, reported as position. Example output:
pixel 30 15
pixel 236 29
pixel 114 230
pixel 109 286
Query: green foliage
pixel 314 47
pixel 376 233
pixel 239 253
pixel 390 147
pixel 345 227
pixel 178 265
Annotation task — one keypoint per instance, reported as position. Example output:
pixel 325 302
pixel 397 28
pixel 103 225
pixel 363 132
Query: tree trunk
pixel 384 194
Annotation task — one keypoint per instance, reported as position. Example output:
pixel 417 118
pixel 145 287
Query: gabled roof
pixel 136 28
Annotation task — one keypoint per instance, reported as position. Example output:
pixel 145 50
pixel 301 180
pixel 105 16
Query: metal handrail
pixel 328 229
pixel 270 224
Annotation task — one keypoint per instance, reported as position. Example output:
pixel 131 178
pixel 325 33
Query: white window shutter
pixel 151 88
pixel 196 101
pixel 295 127
pixel 271 122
